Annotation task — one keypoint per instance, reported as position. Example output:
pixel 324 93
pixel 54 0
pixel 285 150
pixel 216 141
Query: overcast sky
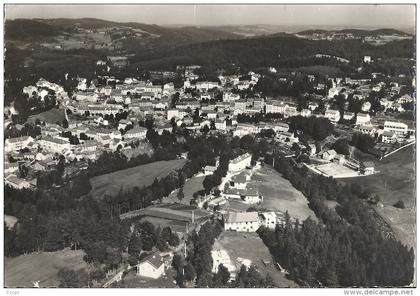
pixel 389 16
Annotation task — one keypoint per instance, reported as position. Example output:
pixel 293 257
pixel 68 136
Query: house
pixel 16 144
pixel 388 137
pixel 136 133
pixel 16 182
pixel 240 163
pixel 287 137
pixel 348 115
pixel 366 129
pixel 230 97
pixel 220 124
pixel 239 181
pixel 367 59
pixel 329 155
pixel 367 168
pixel 10 168
pixel 244 221
pixel 123 123
pixel 339 158
pixel 268 219
pixel 251 196
pixel 332 115
pixel 362 118
pixel 152 266
pixel 312 149
pixel 398 128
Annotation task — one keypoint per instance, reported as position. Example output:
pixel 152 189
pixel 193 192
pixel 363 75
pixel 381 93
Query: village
pixel 111 115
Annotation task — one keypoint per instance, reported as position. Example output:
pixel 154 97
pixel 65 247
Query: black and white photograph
pixel 199 145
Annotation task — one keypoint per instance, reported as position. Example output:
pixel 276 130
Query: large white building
pixel 222 257
pixel 16 144
pixel 136 133
pixel 269 219
pixel 362 118
pixel 240 163
pixel 243 222
pixel 398 128
pixel 54 144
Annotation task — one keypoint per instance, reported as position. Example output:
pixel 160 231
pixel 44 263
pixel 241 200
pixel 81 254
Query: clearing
pixel 239 244
pixel 394 182
pixel 191 186
pixel 139 176
pixel 279 195
pixel 41 267
pixel 51 116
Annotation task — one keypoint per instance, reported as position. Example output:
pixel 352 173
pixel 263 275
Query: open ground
pixel 394 182
pixel 139 176
pixel 240 244
pixel 24 270
pixel 279 195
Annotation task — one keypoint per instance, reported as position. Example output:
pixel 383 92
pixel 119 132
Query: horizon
pixel 363 16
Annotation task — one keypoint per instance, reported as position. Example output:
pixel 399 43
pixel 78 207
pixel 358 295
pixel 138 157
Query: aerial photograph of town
pixel 209 146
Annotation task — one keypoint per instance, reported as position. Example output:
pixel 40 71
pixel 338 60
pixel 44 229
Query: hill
pixel 25 29
pixel 357 32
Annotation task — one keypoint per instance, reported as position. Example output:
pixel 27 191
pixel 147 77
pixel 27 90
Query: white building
pixel 348 115
pixel 332 115
pixel 151 267
pixel 136 133
pixel 54 144
pixel 245 221
pixel 367 59
pixel 398 128
pixel 171 113
pixel 269 219
pixel 329 155
pixel 362 118
pixel 204 86
pixel 388 137
pixel 16 144
pixel 230 97
pixel 240 163
pixel 16 182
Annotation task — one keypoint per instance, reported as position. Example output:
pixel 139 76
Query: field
pixel 279 195
pixel 142 175
pixel 132 280
pixel 394 182
pixel 51 116
pixel 238 245
pixel 191 186
pixel 22 271
pixel 176 216
pixel 336 170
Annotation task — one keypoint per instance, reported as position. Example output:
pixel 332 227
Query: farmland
pixel 238 246
pixel 51 116
pixel 394 182
pixel 139 176
pixel 23 270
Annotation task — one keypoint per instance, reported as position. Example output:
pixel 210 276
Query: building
pixel 329 155
pixel 275 107
pixel 366 129
pixel 348 115
pixel 136 133
pixel 54 144
pixel 152 267
pixel 245 221
pixel 240 163
pixel 332 115
pixel 268 219
pixel 16 182
pixel 398 128
pixel 16 144
pixel 362 118
pixel 367 59
pixel 367 168
pixel 388 137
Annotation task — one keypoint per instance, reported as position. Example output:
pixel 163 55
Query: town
pixel 200 176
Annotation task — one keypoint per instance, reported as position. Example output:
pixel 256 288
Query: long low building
pixel 246 221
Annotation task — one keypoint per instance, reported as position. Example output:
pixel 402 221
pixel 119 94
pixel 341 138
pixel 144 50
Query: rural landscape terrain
pixel 216 156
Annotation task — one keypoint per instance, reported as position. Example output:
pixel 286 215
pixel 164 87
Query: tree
pixel 180 194
pixel 65 123
pixel 134 245
pixel 341 146
pixel 206 129
pixel 223 275
pixel 72 279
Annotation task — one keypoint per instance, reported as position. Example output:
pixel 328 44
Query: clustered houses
pixel 107 114
pixel 249 221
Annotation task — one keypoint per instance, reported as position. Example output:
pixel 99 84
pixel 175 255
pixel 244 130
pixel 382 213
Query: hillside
pixel 23 29
pixel 357 32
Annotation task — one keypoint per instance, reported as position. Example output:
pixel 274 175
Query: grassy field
pixel 22 271
pixel 279 195
pixel 191 186
pixel 396 181
pixel 51 116
pixel 132 280
pixel 238 245
pixel 142 175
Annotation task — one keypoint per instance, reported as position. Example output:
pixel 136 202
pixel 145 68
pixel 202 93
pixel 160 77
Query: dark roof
pixel 154 259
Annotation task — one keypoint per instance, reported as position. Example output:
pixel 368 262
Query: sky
pixel 379 16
